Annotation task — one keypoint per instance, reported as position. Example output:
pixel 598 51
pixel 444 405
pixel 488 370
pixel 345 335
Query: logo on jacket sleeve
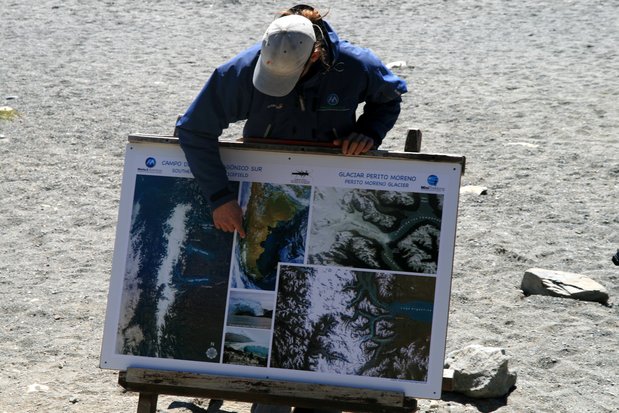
pixel 333 99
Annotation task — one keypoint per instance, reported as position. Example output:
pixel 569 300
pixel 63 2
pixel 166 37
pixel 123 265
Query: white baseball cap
pixel 286 48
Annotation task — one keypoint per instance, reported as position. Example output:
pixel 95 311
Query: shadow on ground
pixel 483 405
pixel 214 406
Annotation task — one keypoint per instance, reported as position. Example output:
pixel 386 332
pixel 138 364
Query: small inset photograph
pixel 253 309
pixel 246 346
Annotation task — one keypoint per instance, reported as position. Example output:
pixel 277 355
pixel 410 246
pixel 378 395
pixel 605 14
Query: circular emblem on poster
pixel 150 162
pixel 211 353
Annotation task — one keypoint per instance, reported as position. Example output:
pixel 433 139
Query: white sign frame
pixel 434 175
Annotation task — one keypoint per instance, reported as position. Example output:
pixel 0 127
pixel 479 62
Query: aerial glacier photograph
pixel 343 321
pixel 277 216
pixel 176 274
pixel 375 229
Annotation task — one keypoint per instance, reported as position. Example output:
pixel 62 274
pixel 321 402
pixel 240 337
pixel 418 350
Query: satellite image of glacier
pixel 276 220
pixel 176 277
pixel 343 321
pixel 375 229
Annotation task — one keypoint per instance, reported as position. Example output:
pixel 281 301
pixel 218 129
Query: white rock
pixel 36 387
pixel 473 189
pixel 562 284
pixel 481 372
pixel 525 144
pixel 398 63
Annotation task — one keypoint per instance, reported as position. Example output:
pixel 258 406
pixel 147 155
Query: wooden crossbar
pixel 150 383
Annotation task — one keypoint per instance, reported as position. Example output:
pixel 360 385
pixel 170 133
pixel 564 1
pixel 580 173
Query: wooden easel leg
pixel 413 141
pixel 147 403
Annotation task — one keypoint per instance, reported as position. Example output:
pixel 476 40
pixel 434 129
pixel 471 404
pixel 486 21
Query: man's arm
pixel 203 157
pixel 382 101
pixel 202 153
pixel 224 99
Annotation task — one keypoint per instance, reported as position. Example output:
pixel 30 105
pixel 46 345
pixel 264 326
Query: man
pixel 301 83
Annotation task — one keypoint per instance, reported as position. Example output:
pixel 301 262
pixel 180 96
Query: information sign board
pixel 343 278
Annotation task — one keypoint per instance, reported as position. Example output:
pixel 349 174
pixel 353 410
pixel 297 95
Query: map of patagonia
pixel 275 217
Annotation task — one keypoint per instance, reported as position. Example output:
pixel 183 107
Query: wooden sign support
pixel 413 141
pixel 151 383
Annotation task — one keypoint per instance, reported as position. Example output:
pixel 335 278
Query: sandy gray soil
pixel 527 91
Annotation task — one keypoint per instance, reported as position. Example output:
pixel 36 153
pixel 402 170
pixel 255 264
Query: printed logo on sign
pixel 211 353
pixel 301 176
pixel 333 99
pixel 432 182
pixel 150 162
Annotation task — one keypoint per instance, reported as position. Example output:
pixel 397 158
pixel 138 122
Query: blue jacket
pixel 320 108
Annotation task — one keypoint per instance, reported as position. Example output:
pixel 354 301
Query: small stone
pixel 73 400
pixel 474 189
pixel 7 113
pixel 563 284
pixel 36 387
pixel 11 97
pixel 398 63
pixel 525 144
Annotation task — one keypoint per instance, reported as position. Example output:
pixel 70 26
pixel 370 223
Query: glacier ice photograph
pixel 246 346
pixel 250 308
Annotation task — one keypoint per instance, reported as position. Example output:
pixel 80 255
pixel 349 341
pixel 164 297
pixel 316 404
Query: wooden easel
pixel 151 383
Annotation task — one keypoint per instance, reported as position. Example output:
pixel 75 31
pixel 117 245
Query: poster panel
pixel 343 278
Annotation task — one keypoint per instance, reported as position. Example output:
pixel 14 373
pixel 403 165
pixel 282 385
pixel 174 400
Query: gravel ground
pixel 527 91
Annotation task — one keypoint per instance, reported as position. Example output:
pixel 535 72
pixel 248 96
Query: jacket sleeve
pixel 382 100
pixel 225 98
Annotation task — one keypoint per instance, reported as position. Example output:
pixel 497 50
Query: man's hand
pixel 229 217
pixel 355 144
